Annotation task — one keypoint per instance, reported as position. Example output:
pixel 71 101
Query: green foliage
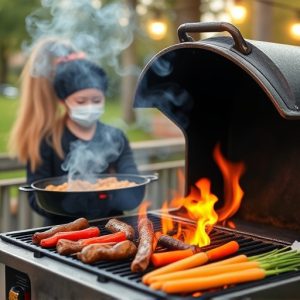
pixel 12 16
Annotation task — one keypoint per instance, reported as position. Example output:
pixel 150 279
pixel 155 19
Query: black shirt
pixel 107 152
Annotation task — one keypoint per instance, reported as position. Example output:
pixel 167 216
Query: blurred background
pixel 122 36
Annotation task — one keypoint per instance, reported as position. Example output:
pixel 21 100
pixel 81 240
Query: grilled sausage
pixel 96 252
pixel 145 248
pixel 66 247
pixel 114 225
pixel 78 224
pixel 171 243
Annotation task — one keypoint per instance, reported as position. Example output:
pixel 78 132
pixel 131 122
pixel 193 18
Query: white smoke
pixel 101 31
pixel 86 160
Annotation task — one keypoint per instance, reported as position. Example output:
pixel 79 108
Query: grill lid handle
pixel 239 43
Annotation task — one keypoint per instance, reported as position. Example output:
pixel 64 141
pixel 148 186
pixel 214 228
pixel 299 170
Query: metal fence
pixel 15 212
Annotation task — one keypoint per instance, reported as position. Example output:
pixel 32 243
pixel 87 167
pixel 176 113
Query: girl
pixel 58 131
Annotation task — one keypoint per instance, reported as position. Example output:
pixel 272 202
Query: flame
pixel 166 222
pixel 233 193
pixel 200 206
pixel 142 211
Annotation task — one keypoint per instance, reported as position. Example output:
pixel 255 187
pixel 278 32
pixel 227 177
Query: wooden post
pixel 262 26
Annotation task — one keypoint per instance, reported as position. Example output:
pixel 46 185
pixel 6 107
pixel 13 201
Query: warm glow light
pixel 157 29
pixel 295 31
pixel 238 13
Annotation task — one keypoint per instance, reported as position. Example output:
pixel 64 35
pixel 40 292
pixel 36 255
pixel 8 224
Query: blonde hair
pixel 40 115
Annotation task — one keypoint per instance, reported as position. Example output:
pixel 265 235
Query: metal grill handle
pixel 239 43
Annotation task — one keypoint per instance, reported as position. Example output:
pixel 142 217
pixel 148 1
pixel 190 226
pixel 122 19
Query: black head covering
pixel 76 75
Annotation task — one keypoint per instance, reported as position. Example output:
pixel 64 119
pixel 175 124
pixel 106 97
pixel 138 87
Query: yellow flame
pixel 201 208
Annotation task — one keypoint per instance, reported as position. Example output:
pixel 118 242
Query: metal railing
pixel 15 212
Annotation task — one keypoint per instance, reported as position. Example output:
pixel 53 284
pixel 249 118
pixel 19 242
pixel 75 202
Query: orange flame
pixel 233 193
pixel 142 211
pixel 166 222
pixel 200 206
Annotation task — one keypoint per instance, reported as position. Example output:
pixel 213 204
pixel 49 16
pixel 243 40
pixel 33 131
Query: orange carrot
pixel 165 258
pixel 202 271
pixel 232 260
pixel 194 260
pixel 203 283
pixel 183 264
pixel 222 251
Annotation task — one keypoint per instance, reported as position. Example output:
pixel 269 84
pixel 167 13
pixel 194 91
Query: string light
pixel 295 31
pixel 157 29
pixel 238 12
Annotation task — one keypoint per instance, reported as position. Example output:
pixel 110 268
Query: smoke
pixel 163 87
pixel 101 31
pixel 86 160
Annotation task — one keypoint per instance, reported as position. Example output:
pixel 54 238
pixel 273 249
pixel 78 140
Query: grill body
pixel 246 102
pixel 43 269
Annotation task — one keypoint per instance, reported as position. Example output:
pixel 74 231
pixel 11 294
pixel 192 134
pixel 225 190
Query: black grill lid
pixel 274 67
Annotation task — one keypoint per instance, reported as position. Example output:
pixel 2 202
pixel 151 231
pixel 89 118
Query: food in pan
pixel 78 185
pixel 114 225
pixel 96 252
pixel 78 224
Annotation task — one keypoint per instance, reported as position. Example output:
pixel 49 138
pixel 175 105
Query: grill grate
pixel 120 271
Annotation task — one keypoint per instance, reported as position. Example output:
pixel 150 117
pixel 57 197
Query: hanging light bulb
pixel 238 12
pixel 157 27
pixel 295 28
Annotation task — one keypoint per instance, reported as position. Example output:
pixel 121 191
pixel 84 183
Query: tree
pixel 12 29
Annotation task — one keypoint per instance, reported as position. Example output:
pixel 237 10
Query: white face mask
pixel 86 115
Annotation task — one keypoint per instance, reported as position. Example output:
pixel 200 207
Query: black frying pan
pixel 89 204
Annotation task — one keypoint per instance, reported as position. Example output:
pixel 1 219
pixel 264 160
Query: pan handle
pixel 239 43
pixel 26 188
pixel 151 177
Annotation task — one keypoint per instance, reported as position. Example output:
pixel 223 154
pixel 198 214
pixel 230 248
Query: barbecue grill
pixel 243 95
pixel 114 280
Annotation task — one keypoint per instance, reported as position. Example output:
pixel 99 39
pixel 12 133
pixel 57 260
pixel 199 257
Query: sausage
pixel 78 224
pixel 145 248
pixel 171 243
pixel 66 247
pixel 96 252
pixel 114 225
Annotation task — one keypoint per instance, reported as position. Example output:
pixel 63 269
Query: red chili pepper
pixel 70 235
pixel 114 237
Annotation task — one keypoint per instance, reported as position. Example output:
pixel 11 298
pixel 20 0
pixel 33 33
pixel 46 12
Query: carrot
pixel 165 258
pixel 195 260
pixel 203 283
pixel 203 271
pixel 183 264
pixel 113 237
pixel 222 251
pixel 70 235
